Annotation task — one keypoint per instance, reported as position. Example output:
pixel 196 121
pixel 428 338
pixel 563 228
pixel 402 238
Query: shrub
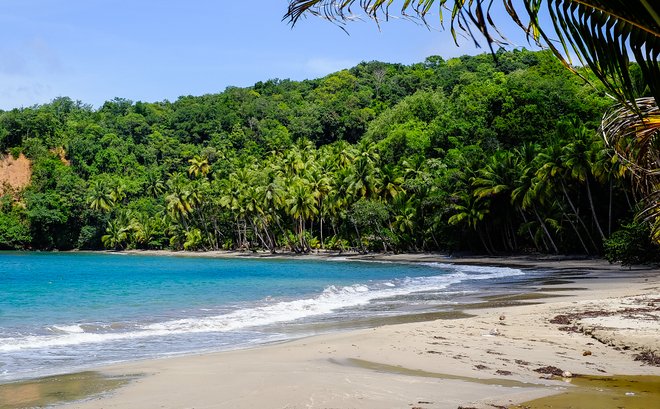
pixel 631 245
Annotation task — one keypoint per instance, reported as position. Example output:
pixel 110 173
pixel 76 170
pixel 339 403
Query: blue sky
pixel 148 50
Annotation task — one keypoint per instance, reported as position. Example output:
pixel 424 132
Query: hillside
pixel 469 154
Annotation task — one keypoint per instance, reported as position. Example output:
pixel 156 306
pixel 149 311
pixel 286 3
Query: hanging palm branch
pixel 600 33
pixel 635 136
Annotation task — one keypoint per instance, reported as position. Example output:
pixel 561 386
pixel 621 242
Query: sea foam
pixel 264 313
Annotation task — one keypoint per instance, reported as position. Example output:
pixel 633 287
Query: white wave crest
pixel 269 312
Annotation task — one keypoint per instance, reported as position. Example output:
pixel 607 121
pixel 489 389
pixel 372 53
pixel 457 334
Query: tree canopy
pixel 467 154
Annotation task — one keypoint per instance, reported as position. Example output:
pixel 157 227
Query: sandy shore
pixel 602 322
pixel 555 262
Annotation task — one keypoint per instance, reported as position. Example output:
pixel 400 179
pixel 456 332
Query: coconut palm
pixel 155 186
pixel 99 197
pixel 634 138
pixel 578 158
pixel 115 235
pixel 600 33
pixel 199 166
pixel 391 182
pixel 302 207
pixel 552 171
pixel 470 210
pixel 531 192
pixel 495 181
pixel 179 200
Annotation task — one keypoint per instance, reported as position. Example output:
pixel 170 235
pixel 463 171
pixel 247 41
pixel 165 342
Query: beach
pixel 593 319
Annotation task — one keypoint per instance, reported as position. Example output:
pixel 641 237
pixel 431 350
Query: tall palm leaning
pixel 601 34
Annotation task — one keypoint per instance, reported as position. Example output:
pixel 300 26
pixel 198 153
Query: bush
pixel 631 245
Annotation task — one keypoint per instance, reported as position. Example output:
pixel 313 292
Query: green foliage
pixel 631 245
pixel 14 231
pixel 464 154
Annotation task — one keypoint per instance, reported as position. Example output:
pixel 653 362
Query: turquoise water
pixel 65 312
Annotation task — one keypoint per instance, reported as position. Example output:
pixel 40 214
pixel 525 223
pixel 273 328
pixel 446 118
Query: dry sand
pixel 484 360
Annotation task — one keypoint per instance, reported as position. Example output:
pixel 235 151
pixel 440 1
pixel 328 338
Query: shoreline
pixel 482 359
pixel 537 261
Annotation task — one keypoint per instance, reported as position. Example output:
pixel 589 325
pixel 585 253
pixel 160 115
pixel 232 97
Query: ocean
pixel 64 312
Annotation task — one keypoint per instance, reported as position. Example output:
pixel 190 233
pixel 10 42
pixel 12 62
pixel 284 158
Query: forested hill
pixel 466 154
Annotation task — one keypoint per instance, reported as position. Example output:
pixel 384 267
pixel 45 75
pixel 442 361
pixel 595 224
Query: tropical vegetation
pixel 468 154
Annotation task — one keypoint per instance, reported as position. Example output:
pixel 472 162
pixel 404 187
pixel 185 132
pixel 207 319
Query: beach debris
pixel 630 393
pixel 551 370
pixel 561 319
pixel 494 332
pixel 648 357
pixel 502 317
pixel 566 374
pixel 586 352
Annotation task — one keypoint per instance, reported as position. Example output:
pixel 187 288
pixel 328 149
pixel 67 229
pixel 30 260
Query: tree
pixel 600 33
pixel 99 197
pixel 198 166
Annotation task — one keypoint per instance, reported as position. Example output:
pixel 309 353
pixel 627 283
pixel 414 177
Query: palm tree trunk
pixel 545 230
pixel 577 232
pixel 529 231
pixel 577 215
pixel 321 232
pixel 483 242
pixel 609 211
pixel 593 209
pixel 357 231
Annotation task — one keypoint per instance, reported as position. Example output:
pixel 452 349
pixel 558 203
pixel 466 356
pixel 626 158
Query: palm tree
pixel 530 192
pixel 302 206
pixel 99 197
pixel 391 182
pixel 118 193
pixel 179 200
pixel 199 166
pixel 321 186
pixel 577 157
pixel 471 210
pixel 115 235
pixel 634 138
pixel 600 33
pixel 495 181
pixel 155 186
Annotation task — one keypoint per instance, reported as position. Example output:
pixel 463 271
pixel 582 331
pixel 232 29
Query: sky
pixel 148 50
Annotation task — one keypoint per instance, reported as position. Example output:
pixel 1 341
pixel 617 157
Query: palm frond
pixel 601 34
pixel 634 135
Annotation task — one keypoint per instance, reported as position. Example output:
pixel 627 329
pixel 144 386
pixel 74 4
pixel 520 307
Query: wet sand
pixel 487 355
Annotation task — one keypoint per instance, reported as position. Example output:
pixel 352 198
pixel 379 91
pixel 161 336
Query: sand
pixel 478 361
